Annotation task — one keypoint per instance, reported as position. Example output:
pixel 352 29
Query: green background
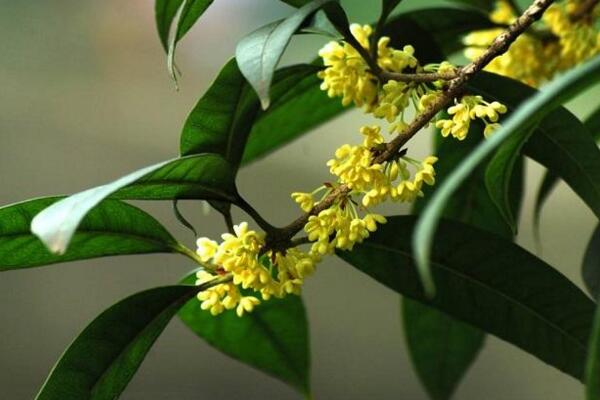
pixel 85 97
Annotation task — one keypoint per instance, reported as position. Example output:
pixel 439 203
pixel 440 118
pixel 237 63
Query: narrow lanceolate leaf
pixel 259 53
pixel 499 173
pixel 592 366
pixel 592 123
pixel 586 184
pixel 166 12
pixel 112 228
pixel 102 360
pixel 490 283
pixel 273 338
pixel 228 113
pixel 591 265
pixel 222 119
pixel 443 348
pixel 559 129
pixel 203 176
pixel 298 105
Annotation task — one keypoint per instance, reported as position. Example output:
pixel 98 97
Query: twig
pixel 498 47
pixel 418 77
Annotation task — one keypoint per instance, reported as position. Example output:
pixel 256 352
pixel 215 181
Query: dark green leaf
pixel 102 360
pixel 298 106
pixel 203 176
pixel 223 117
pixel 591 265
pixel 182 219
pixel 112 228
pixel 259 52
pixel 490 283
pixel 592 366
pixel 592 123
pixel 441 347
pixel 499 173
pixel 273 338
pixel 581 174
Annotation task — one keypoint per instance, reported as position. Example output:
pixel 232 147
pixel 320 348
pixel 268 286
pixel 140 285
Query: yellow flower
pixel 470 108
pixel 305 200
pixel 246 304
pixel 206 248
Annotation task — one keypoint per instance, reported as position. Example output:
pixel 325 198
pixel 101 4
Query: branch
pixel 498 47
pixel 418 77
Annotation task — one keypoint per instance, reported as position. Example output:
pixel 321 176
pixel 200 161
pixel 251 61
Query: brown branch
pixel 498 47
pixel 418 76
pixel 585 10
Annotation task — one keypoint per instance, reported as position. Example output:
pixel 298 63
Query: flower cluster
pixel 341 226
pixel 347 74
pixel 535 57
pixel 270 274
pixel 470 108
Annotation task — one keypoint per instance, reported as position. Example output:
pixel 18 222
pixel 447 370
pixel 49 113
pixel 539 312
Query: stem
pixel 418 77
pixel 498 47
pixel 228 221
pixel 214 282
pixel 184 250
pixel 264 224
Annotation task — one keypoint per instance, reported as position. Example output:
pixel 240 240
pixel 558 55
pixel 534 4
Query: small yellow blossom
pixel 305 200
pixel 470 108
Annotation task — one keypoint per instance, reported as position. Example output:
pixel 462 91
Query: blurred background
pixel 85 98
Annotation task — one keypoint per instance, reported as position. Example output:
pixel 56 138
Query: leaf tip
pixel 265 102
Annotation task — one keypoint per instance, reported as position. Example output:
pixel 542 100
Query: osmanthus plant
pixel 454 261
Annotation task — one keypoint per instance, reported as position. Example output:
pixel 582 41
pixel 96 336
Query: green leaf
pixel 165 12
pixel 592 365
pixel 227 116
pixel 488 282
pixel 549 181
pixel 259 52
pixel 298 106
pixel 579 174
pixel 441 347
pixel 112 228
pixel 591 265
pixel 273 338
pixel 102 360
pixel 222 119
pixel 203 176
pixel 387 6
pixel 499 173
